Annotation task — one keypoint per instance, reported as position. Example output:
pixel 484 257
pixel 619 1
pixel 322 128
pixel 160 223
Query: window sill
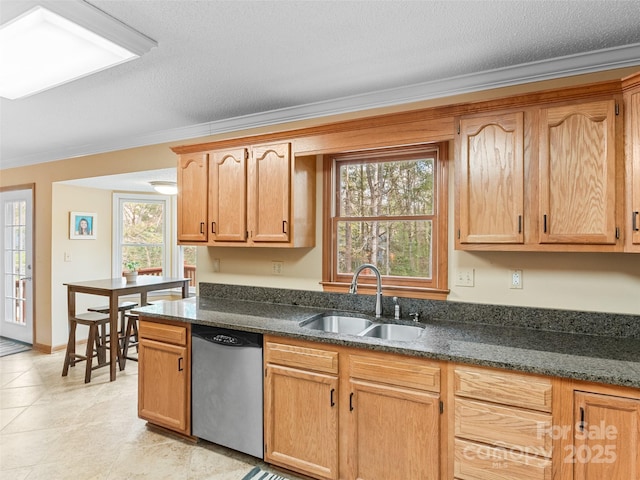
pixel 389 291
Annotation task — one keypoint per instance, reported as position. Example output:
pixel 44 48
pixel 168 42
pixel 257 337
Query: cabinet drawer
pixel 474 461
pixel 504 387
pixel 507 427
pixel 409 372
pixel 162 332
pixel 301 357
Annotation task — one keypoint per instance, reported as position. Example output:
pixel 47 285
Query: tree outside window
pixel 385 212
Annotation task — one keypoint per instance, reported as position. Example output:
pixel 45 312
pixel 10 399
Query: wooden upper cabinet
pixel 228 195
pixel 270 193
pixel 578 173
pixel 192 179
pixel 632 163
pixel 490 174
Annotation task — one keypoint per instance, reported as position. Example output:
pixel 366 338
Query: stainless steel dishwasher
pixel 226 388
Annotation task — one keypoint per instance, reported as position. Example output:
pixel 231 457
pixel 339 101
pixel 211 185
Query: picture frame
pixel 83 225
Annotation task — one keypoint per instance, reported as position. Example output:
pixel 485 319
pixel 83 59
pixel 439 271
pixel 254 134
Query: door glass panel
pixel 15 262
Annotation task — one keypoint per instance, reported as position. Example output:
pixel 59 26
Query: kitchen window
pixel 388 208
pixel 144 231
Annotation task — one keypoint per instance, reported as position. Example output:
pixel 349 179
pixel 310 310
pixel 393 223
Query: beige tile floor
pixel 54 427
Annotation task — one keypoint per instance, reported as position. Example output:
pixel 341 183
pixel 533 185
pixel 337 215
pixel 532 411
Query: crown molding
pixel 579 64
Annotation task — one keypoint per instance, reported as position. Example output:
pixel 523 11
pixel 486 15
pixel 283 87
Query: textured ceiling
pixel 220 60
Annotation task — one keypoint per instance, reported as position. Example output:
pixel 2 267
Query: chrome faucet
pixel 354 285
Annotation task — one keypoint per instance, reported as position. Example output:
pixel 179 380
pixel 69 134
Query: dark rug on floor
pixel 9 347
pixel 259 474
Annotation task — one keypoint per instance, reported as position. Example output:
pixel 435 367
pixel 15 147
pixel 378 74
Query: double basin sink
pixel 362 327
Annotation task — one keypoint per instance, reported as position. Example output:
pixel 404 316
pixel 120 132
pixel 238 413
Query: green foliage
pixel 371 192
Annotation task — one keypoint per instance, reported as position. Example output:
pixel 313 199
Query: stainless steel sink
pixel 338 324
pixel 390 331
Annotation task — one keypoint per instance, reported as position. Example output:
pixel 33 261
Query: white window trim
pixel 169 232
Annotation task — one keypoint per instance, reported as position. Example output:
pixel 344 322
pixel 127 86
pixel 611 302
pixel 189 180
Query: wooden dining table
pixel 114 288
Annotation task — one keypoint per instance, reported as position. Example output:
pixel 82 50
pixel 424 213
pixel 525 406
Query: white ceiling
pixel 224 65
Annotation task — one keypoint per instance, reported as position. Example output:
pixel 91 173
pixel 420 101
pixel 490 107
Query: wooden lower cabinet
pixel 502 425
pixel 394 432
pixel 607 437
pixel 301 408
pixel 301 418
pixel 164 375
pixel 387 408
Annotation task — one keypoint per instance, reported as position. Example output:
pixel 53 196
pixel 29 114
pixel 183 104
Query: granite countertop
pixel 609 360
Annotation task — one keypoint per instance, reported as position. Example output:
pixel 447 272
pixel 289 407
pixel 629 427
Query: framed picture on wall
pixel 82 225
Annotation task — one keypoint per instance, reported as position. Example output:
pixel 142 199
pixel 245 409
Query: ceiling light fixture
pixel 165 188
pixel 47 47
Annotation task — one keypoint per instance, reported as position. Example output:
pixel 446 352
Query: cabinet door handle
pixel 581 425
pixel 351 402
pixel 333 403
pixel 634 221
pixel 519 223
pixel 544 223
pixel 284 226
pixel 202 228
pixel 180 364
pixel 213 227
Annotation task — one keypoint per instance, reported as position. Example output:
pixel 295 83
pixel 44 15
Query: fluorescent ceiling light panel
pixel 42 49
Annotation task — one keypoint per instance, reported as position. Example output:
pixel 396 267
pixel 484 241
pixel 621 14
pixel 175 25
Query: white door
pixel 16 243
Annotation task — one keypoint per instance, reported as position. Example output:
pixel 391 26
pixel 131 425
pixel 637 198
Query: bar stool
pixel 122 308
pixel 131 332
pixel 94 321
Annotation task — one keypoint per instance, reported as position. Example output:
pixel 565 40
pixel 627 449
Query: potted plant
pixel 131 272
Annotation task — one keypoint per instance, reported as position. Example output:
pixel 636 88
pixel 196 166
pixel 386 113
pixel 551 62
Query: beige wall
pixel 89 259
pixel 597 282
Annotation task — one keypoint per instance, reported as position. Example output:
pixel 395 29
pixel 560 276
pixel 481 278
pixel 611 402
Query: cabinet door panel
pixel 491 179
pixel 162 384
pixel 192 198
pixel 578 174
pixel 227 195
pixel 607 437
pixel 394 433
pixel 270 193
pixel 633 166
pixel 301 421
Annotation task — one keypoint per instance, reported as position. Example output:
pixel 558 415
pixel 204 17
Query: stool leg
pixel 135 331
pixel 69 358
pixel 125 348
pixel 93 339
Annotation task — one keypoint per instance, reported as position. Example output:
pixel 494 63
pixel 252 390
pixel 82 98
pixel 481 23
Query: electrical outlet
pixel 277 267
pixel 516 278
pixel 67 256
pixel 216 265
pixel 465 278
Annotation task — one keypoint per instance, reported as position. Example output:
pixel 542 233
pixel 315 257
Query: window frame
pixel 437 286
pixel 172 255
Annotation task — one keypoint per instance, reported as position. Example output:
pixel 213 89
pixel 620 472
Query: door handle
pixel 333 403
pixel 180 368
pixel 202 228
pixel 351 402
